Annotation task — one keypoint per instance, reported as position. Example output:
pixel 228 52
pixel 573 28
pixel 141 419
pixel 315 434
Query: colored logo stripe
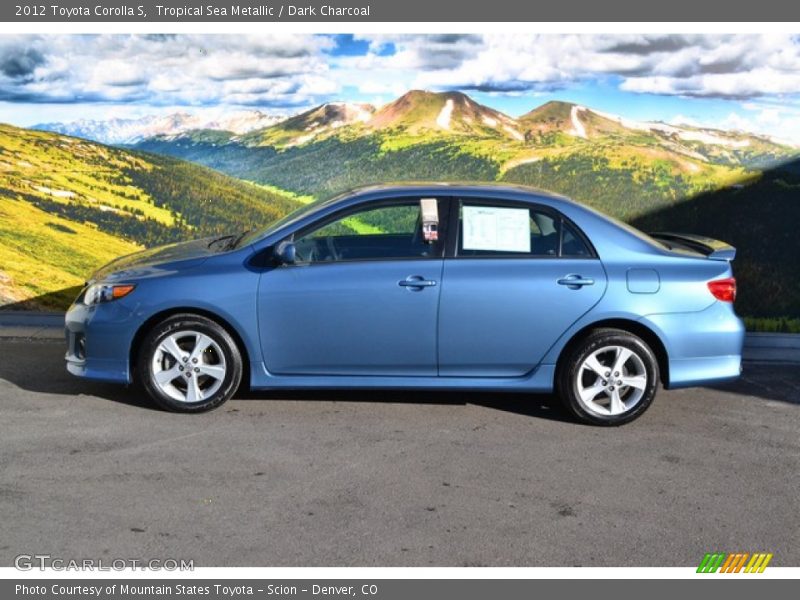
pixel 734 562
pixel 711 562
pixel 758 563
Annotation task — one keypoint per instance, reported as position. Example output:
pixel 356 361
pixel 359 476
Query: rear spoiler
pixel 710 248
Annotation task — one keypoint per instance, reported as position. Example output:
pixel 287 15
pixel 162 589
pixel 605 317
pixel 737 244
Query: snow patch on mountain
pixel 443 120
pixel 357 113
pixel 578 129
pixel 704 136
pixel 514 133
pixel 55 193
pixel 710 138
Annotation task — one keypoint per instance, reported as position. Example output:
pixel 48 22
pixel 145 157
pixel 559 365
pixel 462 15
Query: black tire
pixel 571 377
pixel 221 353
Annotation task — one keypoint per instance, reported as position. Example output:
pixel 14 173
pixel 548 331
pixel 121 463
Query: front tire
pixel 608 378
pixel 188 363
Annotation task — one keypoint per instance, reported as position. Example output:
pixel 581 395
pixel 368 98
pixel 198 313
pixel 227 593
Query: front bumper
pixel 98 341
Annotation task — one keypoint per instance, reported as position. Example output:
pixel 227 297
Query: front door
pixel 362 300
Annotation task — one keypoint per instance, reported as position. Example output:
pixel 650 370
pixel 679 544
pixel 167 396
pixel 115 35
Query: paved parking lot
pixel 393 479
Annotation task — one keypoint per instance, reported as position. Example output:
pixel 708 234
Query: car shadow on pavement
pixel 38 366
pixel 770 381
pixel 544 406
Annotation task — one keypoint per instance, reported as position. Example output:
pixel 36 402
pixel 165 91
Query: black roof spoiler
pixel 710 248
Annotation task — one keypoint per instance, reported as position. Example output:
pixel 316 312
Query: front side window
pixel 391 231
pixel 488 229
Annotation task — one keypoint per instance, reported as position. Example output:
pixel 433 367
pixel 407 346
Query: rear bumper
pixel 703 347
pixel 97 346
pixel 703 371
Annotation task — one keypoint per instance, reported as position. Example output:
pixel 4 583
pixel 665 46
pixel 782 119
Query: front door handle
pixel 575 282
pixel 416 282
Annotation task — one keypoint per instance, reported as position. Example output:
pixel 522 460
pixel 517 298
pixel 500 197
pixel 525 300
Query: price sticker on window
pixel 496 228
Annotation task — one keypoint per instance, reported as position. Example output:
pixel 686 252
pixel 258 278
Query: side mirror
pixel 285 253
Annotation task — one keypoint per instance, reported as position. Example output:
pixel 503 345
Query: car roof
pixel 439 187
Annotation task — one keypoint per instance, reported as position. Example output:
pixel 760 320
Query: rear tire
pixel 188 363
pixel 608 378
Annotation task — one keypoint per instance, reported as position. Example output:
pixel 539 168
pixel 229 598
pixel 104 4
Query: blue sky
pixel 749 82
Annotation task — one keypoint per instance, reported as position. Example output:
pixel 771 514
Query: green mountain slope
pixel 427 113
pixel 68 205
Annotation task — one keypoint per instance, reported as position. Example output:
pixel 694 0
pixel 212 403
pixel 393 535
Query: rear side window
pixel 572 244
pixel 512 229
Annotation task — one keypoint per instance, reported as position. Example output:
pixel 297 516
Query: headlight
pixel 105 292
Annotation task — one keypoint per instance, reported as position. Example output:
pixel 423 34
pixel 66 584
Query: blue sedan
pixel 433 286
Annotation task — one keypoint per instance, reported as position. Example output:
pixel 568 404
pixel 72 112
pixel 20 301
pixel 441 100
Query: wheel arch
pixel 637 328
pixel 156 318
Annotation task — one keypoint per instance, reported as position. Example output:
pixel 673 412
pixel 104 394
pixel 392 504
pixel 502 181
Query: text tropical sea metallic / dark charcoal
pixel 264 10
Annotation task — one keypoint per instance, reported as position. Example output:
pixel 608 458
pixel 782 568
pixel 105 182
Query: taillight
pixel 723 289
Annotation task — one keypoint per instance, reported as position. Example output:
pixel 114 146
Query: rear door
pixel 520 277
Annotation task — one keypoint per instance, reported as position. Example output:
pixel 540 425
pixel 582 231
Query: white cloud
pixel 735 122
pixel 286 72
pixel 392 88
pixel 727 66
pixel 761 81
pixel 266 70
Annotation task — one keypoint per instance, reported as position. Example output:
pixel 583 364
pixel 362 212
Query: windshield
pixel 293 216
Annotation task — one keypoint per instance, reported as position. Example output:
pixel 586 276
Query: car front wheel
pixel 608 378
pixel 189 363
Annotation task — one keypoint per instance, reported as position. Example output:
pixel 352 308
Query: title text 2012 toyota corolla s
pixel 418 286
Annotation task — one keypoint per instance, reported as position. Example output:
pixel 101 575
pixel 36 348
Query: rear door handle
pixel 575 282
pixel 416 282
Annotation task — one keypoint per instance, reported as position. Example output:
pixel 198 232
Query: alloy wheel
pixel 188 366
pixel 611 381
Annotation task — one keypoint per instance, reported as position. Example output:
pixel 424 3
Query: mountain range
pixel 416 112
pixel 130 131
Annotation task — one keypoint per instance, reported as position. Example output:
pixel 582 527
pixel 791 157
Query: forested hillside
pixel 69 205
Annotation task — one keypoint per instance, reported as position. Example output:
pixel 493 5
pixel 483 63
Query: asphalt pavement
pixel 374 478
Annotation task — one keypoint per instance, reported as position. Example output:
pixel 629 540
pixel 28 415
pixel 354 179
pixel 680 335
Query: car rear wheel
pixel 608 378
pixel 189 363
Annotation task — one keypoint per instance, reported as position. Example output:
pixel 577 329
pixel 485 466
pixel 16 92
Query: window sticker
pixel 495 228
pixel 430 218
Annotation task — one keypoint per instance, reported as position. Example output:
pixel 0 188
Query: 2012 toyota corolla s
pixel 418 286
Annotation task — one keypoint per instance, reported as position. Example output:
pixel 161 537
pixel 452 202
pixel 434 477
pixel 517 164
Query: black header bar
pixel 343 11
